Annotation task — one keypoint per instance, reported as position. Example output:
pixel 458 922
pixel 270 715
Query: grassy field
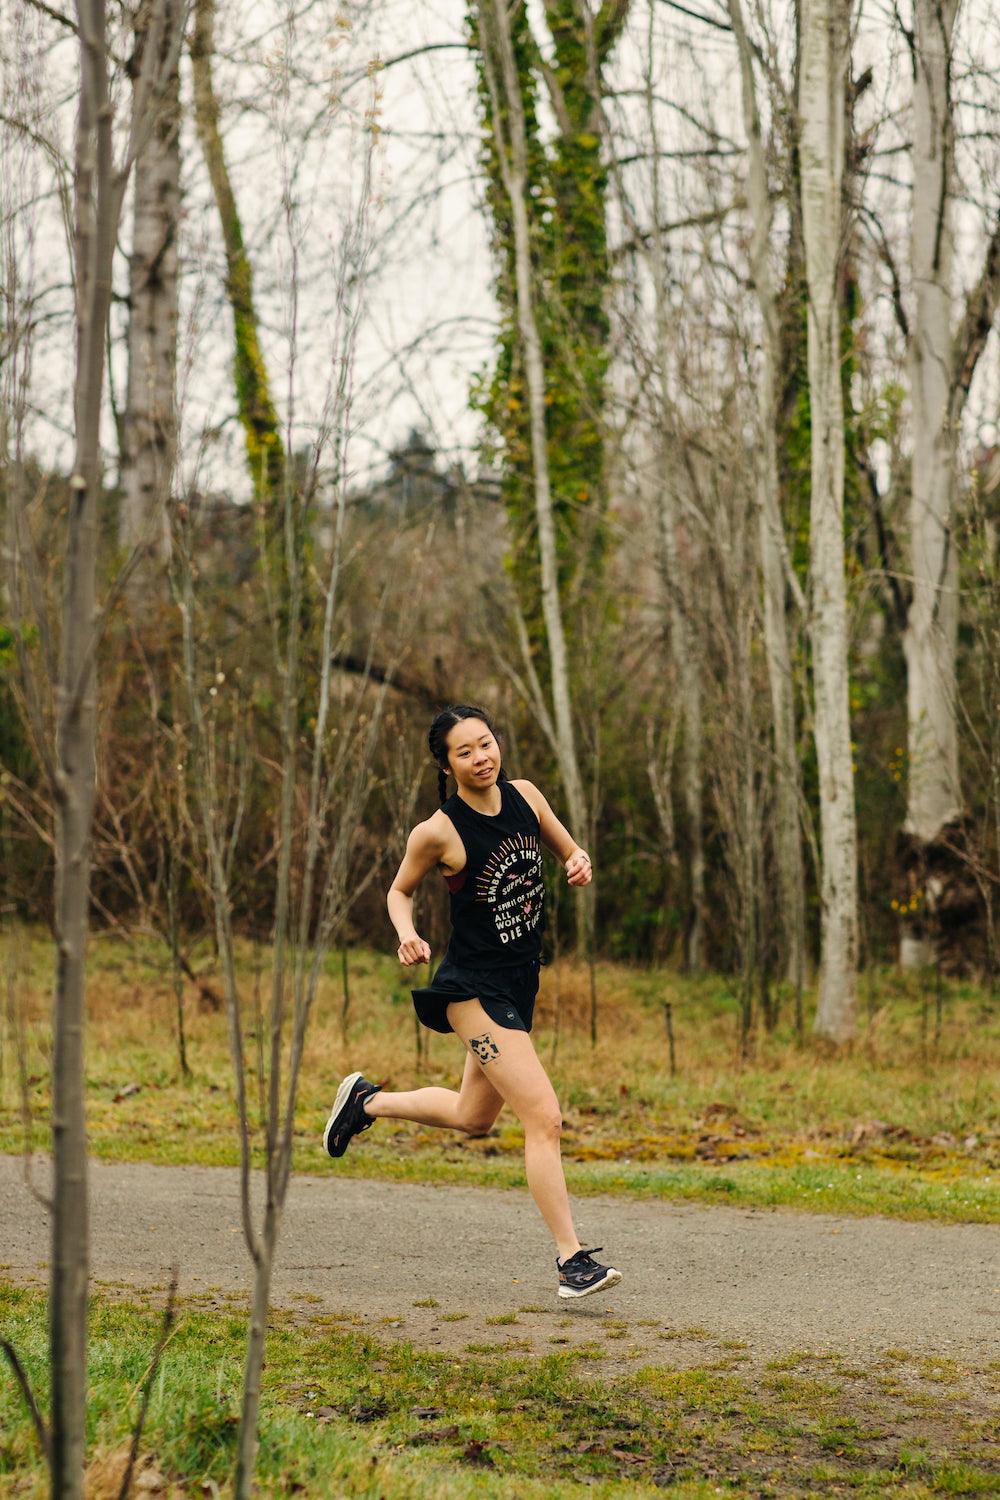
pixel 346 1414
pixel 907 1123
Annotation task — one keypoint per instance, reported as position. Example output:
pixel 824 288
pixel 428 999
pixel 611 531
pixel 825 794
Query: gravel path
pixel 775 1280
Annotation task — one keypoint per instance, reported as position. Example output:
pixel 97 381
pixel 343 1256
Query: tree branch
pixel 696 15
pixel 345 661
pixel 977 322
pixel 609 25
pixel 41 1431
pixel 885 255
pixel 378 65
pixel 147 1381
pixel 56 15
pixel 693 221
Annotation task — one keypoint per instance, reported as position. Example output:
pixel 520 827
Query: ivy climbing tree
pixel 567 191
pixel 265 451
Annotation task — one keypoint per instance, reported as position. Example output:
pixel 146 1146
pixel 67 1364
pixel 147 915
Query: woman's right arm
pixel 424 849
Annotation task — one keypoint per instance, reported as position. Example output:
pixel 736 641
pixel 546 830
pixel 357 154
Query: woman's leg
pixel 473 1108
pixel 509 1061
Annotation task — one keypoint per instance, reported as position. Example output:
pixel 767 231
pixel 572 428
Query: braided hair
pixel 437 738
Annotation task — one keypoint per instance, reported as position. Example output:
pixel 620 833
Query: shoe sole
pixel 343 1094
pixel 611 1279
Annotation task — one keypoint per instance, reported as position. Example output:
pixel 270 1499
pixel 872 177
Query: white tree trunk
pixel 682 635
pixel 822 91
pixel 149 435
pixel 931 638
pixel 788 836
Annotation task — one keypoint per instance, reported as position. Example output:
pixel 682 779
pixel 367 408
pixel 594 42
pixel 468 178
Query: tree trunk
pixel 682 635
pixel 931 638
pixel 95 227
pixel 265 451
pixel 98 192
pixel 773 552
pixel 495 24
pixel 685 654
pixel 566 193
pixel 149 437
pixel 825 58
pixel 246 1456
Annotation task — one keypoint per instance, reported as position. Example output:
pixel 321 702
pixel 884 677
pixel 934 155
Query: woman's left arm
pixel 556 836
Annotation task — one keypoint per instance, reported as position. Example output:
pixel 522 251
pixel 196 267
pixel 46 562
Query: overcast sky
pixel 429 320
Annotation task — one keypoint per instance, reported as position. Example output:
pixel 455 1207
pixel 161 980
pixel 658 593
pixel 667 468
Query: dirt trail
pixel 775 1280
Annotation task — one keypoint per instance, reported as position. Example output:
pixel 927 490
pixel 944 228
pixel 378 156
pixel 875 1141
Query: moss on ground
pixel 903 1125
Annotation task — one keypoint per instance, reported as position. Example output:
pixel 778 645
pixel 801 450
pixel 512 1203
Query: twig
pixel 166 1333
pixel 17 1023
pixel 41 1431
pixel 668 1020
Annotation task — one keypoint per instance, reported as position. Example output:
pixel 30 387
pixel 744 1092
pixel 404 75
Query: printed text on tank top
pixel 497 898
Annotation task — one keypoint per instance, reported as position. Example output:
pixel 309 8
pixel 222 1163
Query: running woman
pixel 486 840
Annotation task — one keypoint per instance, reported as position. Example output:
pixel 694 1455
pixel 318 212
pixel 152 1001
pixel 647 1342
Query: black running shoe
pixel 348 1118
pixel 580 1274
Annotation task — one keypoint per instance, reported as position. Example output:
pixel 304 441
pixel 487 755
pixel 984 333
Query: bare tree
pixel 669 501
pixel 778 577
pixel 511 143
pixel 942 360
pixel 99 189
pixel 257 413
pixel 322 777
pixel 99 183
pixel 825 56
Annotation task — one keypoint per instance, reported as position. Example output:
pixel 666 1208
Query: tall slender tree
pixel 512 153
pixel 99 186
pixel 149 422
pixel 778 577
pixel 942 360
pixel 825 58
pixel 261 427
pixel 678 584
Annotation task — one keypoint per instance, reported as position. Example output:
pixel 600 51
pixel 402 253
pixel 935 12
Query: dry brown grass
pixel 897 1103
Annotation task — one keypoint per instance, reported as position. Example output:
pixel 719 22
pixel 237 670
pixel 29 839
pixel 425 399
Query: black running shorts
pixel 506 995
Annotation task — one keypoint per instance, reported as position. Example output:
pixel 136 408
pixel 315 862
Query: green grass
pixel 901 1125
pixel 344 1414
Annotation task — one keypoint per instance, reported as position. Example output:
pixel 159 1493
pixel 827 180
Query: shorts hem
pixel 432 1010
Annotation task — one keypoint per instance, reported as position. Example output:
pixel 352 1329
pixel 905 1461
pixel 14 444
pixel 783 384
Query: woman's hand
pixel 578 869
pixel 413 950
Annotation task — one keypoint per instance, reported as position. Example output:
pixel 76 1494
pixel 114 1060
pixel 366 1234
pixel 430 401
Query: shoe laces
pixel 581 1257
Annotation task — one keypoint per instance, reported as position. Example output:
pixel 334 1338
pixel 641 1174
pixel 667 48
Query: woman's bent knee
pixel 547 1123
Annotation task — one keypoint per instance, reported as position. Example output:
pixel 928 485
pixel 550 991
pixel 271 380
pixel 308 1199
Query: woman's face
pixel 473 753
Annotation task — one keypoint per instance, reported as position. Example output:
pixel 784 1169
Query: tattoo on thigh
pixel 484 1047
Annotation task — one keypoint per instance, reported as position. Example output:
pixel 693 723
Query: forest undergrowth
pixel 907 1122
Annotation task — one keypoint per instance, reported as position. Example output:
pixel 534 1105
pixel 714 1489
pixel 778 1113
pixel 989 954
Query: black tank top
pixel 497 901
